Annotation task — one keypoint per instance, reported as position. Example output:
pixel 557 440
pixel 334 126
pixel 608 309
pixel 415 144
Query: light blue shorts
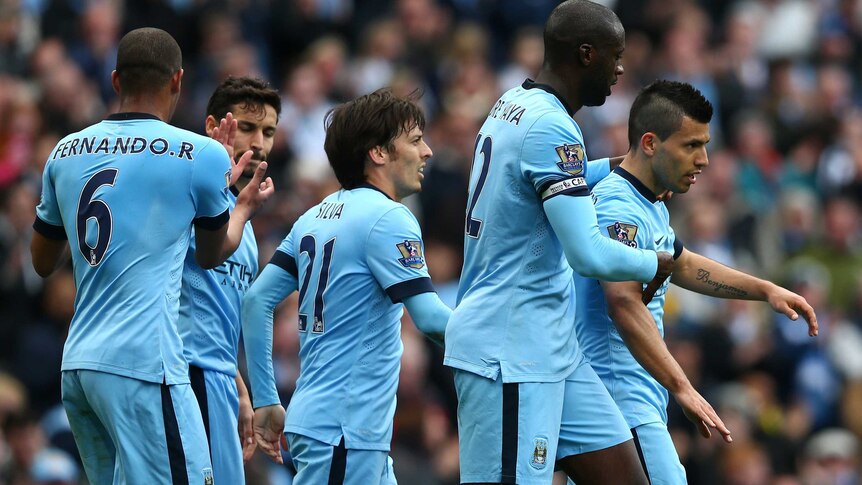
pixel 591 419
pixel 658 455
pixel 319 463
pixel 507 433
pixel 219 404
pixel 133 432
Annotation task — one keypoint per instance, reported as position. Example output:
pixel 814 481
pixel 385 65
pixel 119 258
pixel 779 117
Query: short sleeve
pixel 553 158
pixel 210 186
pixel 49 222
pixel 619 219
pixel 395 254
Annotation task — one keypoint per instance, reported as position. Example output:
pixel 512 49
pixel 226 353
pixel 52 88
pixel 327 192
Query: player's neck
pixel 554 80
pixel 384 184
pixel 146 104
pixel 642 170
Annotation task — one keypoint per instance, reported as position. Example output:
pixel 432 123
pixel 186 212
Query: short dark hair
pixel 573 23
pixel 249 93
pixel 357 126
pixel 146 60
pixel 660 107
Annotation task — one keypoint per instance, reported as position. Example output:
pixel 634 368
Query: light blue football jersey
pixel 355 256
pixel 630 213
pixel 210 302
pixel 125 193
pixel 516 297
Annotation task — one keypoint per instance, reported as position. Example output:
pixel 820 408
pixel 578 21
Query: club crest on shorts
pixel 412 252
pixel 208 476
pixel 624 233
pixel 540 453
pixel 571 158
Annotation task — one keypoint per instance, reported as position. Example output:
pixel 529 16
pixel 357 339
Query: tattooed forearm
pixel 717 286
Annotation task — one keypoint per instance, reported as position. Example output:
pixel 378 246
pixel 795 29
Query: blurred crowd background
pixel 780 199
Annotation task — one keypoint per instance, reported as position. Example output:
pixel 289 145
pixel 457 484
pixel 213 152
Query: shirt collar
pixel 366 185
pixel 637 184
pixel 530 84
pixel 131 115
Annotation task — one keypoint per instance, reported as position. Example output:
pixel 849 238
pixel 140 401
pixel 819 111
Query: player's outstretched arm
pixel 429 314
pixel 707 277
pixel 47 253
pixel 638 329
pixel 245 420
pixel 595 256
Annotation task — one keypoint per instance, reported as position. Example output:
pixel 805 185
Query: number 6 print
pixel 90 208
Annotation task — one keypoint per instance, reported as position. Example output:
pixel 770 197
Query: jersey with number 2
pixel 516 299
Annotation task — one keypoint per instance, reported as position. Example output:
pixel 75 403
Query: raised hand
pixel 225 133
pixel 258 191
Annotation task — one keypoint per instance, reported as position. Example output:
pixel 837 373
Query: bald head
pixel 147 58
pixel 577 22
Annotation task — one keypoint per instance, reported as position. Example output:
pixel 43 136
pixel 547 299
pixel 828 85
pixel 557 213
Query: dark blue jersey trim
pixel 677 247
pixel 131 115
pixel 366 185
pixel 213 223
pixel 49 230
pixel 530 84
pixel 637 184
pixel 285 262
pixel 406 289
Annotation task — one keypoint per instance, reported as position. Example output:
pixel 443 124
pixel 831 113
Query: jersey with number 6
pixel 356 256
pixel 125 193
pixel 516 299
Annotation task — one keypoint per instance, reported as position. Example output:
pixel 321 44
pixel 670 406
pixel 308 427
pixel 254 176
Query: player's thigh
pixel 157 429
pixel 658 454
pixel 317 462
pixel 95 444
pixel 219 405
pixel 595 444
pixel 507 432
pixel 591 419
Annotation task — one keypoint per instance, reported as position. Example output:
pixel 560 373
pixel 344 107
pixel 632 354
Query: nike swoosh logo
pixel 660 240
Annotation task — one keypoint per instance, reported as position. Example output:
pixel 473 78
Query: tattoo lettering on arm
pixel 718 286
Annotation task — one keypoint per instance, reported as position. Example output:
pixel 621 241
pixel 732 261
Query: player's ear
pixel 378 155
pixel 115 81
pixel 648 143
pixel 585 54
pixel 177 81
pixel 210 124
